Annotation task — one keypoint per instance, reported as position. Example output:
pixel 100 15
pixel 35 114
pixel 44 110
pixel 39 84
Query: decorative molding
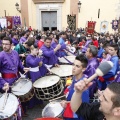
pixel 48 1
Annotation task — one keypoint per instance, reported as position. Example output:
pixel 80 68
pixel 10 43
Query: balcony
pixel 48 1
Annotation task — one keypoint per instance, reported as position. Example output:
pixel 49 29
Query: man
pixel 49 56
pixel 62 41
pixel 10 64
pixel 55 43
pixel 109 77
pixel 89 40
pixel 41 42
pixel 107 109
pixel 79 67
pixel 23 39
pixel 93 63
pixel 22 48
pixel 15 40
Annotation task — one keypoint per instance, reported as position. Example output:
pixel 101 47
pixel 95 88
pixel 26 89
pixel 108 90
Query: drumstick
pixel 5 99
pixel 102 69
pixel 57 98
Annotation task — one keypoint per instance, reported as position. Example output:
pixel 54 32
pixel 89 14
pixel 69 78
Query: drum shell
pixel 50 92
pixel 25 96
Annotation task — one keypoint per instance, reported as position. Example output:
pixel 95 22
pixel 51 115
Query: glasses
pixel 6 44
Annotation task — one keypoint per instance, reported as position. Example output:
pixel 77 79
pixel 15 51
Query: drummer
pixel 79 67
pixel 10 64
pixel 37 70
pixel 49 56
pixel 55 43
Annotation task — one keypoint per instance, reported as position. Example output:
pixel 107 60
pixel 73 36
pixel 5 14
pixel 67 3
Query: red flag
pixel 9 22
pixel 91 27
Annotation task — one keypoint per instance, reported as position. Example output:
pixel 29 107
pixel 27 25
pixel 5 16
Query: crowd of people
pixel 22 50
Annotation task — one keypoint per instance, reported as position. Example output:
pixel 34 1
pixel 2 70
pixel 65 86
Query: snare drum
pixel 10 107
pixel 63 60
pixel 23 89
pixel 53 109
pixel 48 87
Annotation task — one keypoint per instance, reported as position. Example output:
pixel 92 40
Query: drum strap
pixel 67 60
pixel 35 69
pixel 70 52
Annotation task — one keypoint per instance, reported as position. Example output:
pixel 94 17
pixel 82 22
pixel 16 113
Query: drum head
pixel 46 81
pixel 22 87
pixel 10 106
pixel 70 58
pixel 63 70
pixel 53 109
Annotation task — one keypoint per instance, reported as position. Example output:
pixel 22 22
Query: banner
pixel 3 22
pixel 91 27
pixel 115 24
pixel 104 26
pixel 9 22
pixel 16 20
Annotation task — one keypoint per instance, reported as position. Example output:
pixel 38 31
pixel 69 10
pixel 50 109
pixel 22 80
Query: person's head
pixel 108 38
pixel 34 50
pixel 56 38
pixel 91 51
pixel 7 44
pixel 104 55
pixel 106 46
pixel 110 100
pixel 28 44
pixel 63 35
pixel 89 37
pixel 101 43
pixel 113 49
pixel 24 34
pixel 79 65
pixel 14 35
pixel 47 42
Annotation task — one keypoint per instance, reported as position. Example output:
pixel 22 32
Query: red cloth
pixel 8 75
pixel 68 112
pixel 101 79
pixel 9 22
pixel 40 44
pixel 91 27
pixel 95 43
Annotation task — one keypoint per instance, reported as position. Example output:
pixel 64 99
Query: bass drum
pixel 48 87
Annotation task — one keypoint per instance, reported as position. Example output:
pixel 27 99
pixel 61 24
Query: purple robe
pixel 59 52
pixel 33 61
pixel 10 63
pixel 14 41
pixel 84 49
pixel 22 40
pixel 90 70
pixel 49 56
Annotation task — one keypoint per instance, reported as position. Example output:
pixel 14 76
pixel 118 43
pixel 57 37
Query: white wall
pixel 89 11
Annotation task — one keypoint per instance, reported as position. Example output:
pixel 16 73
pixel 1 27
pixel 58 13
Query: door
pixel 49 20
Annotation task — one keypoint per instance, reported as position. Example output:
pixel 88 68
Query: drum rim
pixel 43 78
pixel 54 116
pixel 16 105
pixel 18 91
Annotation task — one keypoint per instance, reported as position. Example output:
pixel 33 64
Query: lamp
pixel 79 6
pixel 17 7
